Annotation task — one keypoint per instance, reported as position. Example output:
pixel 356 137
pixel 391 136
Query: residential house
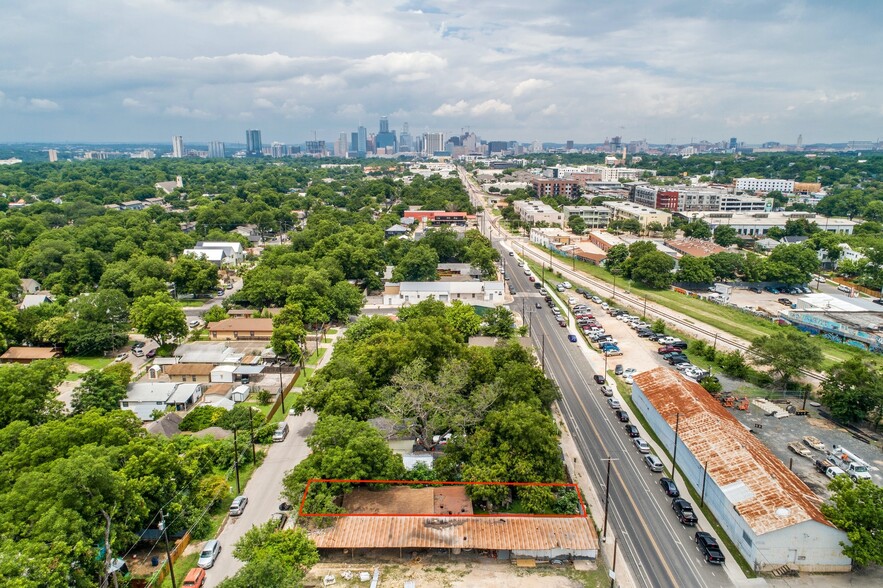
pixel 471 292
pixel 34 300
pixel 145 398
pixel 189 372
pixel 169 187
pixel 241 328
pixel 29 286
pixel 28 354
pixel 396 231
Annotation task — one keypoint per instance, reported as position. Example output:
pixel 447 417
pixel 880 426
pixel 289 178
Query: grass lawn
pixel 194 302
pixel 304 376
pixel 315 357
pixel 93 363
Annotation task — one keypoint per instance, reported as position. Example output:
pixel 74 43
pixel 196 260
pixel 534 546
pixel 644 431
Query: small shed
pixel 240 393
pixel 223 374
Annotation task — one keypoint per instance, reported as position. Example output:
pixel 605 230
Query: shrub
pixel 202 417
pixel 264 397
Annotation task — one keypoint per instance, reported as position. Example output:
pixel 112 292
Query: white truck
pixel 850 463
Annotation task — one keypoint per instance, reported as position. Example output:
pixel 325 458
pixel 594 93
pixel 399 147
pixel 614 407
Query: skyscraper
pixel 340 148
pixel 384 124
pixel 385 140
pixel 278 150
pixel 216 150
pixel 733 143
pixel 405 139
pixel 177 146
pixel 363 141
pixel 53 155
pixel 254 147
pixel 433 142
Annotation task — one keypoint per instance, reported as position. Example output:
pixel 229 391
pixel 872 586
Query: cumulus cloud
pixel 492 106
pixel 530 85
pixel 185 112
pixel 455 109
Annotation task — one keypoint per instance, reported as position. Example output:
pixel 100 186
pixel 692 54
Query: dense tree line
pixel 420 373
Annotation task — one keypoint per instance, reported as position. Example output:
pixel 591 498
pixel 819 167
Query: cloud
pixel 185 112
pixel 549 110
pixel 402 67
pixel 492 106
pixel 25 104
pixel 455 109
pixel 42 105
pixel 530 85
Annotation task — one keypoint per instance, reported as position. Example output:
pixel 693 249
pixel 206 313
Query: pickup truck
pixel 709 548
pixel 850 463
pixel 829 469
pixel 684 511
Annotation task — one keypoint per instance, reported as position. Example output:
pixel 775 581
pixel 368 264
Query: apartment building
pixel 595 217
pixel 694 199
pixel 759 223
pixel 536 211
pixel 546 187
pixel 643 214
pixel 765 185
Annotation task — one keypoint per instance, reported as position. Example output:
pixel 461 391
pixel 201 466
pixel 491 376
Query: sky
pixel 555 70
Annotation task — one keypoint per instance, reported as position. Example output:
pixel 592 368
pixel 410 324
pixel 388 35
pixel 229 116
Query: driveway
pixel 263 492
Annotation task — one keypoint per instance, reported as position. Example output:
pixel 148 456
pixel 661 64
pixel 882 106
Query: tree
pixel 616 256
pixel 288 341
pixel 159 318
pixel 658 326
pixel 273 558
pixel 27 392
pixel 654 270
pixel 857 508
pixel 725 235
pixel 98 389
pixel 420 264
pixel 695 270
pixel 463 318
pixel 786 353
pixel 500 323
pixel 698 229
pixel 852 389
pixel 193 275
pixel 577 224
pixel 214 314
pixel 655 227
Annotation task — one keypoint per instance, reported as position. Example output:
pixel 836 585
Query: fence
pixel 279 398
pixel 157 579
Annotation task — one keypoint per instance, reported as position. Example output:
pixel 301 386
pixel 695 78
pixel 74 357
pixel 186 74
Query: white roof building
pixel 470 292
pixel 759 223
pixel 144 398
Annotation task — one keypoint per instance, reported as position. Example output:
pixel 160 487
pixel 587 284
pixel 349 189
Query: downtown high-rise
pixel 253 145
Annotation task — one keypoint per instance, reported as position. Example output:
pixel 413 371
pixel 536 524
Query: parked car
pixel 653 463
pixel 599 379
pixel 613 403
pixel 843 288
pixel 709 548
pixel 641 445
pixel 622 415
pixel 137 344
pixel 209 554
pixel 560 288
pixel 567 284
pixel 596 300
pixel 138 351
pixel 606 390
pixel 537 305
pixel 618 369
pixel 755 289
pixel 784 301
pixel 195 578
pixel 150 354
pixel 237 507
pixel 120 357
pixel 669 487
pixel 684 511
pixel 632 431
pixel 666 349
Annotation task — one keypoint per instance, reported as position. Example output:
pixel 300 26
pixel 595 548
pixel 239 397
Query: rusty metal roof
pixel 762 489
pixel 468 532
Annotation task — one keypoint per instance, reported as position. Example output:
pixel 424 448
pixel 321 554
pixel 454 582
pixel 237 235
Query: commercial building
pixel 604 240
pixel 695 198
pixel 765 185
pixel 253 145
pixel 537 211
pixel 550 237
pixel 643 214
pixel 835 318
pixel 759 223
pixel 770 515
pixel 433 143
pixel 694 247
pixel 555 187
pixel 438 217
pixel 471 292
pixel 595 217
pixel 217 150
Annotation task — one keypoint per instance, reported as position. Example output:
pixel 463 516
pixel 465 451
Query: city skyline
pixel 671 72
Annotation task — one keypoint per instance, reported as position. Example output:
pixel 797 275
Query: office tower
pixel 178 146
pixel 354 143
pixel 732 142
pixel 800 142
pixel 569 145
pixel 278 150
pixel 385 140
pixel 253 148
pixel 433 142
pixel 405 139
pixel 216 150
pixel 362 147
pixel 315 148
pixel 53 155
pixel 340 148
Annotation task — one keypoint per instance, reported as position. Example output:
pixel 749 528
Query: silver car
pixel 641 445
pixel 653 463
pixel 209 554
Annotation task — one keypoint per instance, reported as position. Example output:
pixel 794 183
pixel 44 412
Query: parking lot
pixel 764 301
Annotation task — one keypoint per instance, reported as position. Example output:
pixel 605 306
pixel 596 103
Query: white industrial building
pixel 471 292
pixel 771 516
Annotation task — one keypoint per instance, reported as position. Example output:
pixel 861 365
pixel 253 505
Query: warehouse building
pixel 771 516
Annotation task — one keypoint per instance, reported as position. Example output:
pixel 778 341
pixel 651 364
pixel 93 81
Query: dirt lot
pixel 428 573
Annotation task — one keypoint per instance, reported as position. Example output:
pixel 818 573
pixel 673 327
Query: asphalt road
pixel 263 493
pixel 659 550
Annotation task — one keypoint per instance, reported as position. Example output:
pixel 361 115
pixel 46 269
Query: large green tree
pixel 159 318
pixel 655 270
pixel 696 270
pixel 852 389
pixel 786 353
pixel 420 264
pixel 725 235
pixel 193 275
pixel 27 392
pixel 857 508
pixel 99 389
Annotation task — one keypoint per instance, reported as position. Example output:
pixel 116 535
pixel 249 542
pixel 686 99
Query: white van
pixel 281 432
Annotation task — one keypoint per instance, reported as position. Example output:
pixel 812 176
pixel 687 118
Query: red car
pixel 532 279
pixel 666 349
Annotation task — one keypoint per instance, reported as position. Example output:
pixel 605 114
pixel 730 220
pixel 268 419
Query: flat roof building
pixel 555 187
pixel 643 214
pixel 770 515
pixel 472 292
pixel 537 211
pixel 759 223
pixel 595 217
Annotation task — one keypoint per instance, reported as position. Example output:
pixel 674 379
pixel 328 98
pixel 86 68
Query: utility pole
pixel 236 461
pixel 254 457
pixel 165 532
pixel 674 458
pixel 543 355
pixel 606 496
pixel 613 569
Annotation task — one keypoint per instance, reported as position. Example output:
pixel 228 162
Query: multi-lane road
pixel 658 549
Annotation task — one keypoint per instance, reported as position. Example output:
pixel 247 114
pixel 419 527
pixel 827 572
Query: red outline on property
pixel 582 505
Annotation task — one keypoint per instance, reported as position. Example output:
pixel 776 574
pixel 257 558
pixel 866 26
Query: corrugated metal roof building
pixel 537 537
pixel 767 511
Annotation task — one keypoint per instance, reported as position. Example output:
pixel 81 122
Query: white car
pixel 571 300
pixel 630 372
pixel 684 366
pixel 597 300
pixel 567 284
pixel 629 379
pixel 120 357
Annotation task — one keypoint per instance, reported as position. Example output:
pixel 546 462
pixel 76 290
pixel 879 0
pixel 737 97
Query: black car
pixel 878 301
pixel 675 360
pixel 679 344
pixel 709 548
pixel 599 379
pixel 684 511
pixel 138 345
pixel 669 487
pixel 632 431
pixel 618 369
pixel 622 415
pixel 645 333
pixel 784 301
pixel 538 305
pixel 755 289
